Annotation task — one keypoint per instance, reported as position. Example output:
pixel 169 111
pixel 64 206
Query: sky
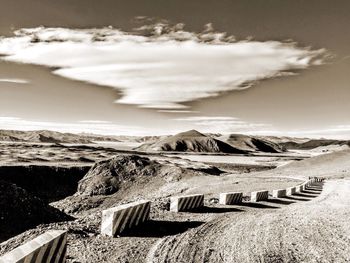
pixel 160 67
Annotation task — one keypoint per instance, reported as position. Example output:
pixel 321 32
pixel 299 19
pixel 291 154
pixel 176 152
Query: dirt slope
pixel 331 165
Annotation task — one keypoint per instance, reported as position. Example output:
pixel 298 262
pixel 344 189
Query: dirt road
pixel 317 230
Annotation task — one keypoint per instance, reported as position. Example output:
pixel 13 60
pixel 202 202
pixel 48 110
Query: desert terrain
pixel 51 180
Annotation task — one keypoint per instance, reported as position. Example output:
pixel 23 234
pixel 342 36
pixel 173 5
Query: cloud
pixel 158 66
pixel 228 125
pixel 94 126
pixel 95 122
pixel 18 81
pixel 177 111
pixel 341 132
pixel 221 124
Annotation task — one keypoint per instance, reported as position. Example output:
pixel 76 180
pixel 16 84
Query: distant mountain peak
pixel 190 133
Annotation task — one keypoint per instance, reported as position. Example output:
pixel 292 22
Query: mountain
pixel 314 143
pixel 51 137
pixel 191 141
pixel 251 143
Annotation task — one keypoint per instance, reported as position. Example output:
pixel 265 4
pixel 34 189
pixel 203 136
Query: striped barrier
pixel 291 190
pixel 279 193
pixel 305 185
pixel 309 182
pixel 298 188
pixel 259 196
pixel 230 198
pixel 186 203
pixel 117 219
pixel 317 179
pixel 48 247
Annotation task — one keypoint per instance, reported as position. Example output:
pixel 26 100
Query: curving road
pixel 314 228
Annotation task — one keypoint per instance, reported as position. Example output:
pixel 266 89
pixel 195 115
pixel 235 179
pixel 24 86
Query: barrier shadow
pixel 296 199
pixel 160 228
pixel 302 194
pixel 314 189
pixel 319 187
pixel 258 205
pixel 215 210
pixel 280 201
pixel 311 193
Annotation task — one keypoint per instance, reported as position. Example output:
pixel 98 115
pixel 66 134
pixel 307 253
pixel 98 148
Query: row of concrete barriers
pixel 51 246
pixel 296 189
pixel 117 219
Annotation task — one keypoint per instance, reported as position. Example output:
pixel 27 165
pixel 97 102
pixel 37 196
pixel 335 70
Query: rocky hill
pixel 108 176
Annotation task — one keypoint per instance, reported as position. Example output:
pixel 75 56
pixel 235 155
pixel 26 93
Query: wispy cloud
pixel 221 124
pixel 95 122
pixel 18 81
pixel 158 66
pixel 211 124
pixel 94 126
pixel 177 111
pixel 341 132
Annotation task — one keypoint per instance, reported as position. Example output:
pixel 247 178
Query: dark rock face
pixel 106 177
pixel 49 183
pixel 20 210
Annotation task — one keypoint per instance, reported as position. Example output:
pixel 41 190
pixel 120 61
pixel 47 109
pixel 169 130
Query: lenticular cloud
pixel 162 69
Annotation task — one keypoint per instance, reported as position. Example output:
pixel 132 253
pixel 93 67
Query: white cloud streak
pixel 17 81
pixel 162 70
pixel 224 125
pixel 220 124
pixel 93 126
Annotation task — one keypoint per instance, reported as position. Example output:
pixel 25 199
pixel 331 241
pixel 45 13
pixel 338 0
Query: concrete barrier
pixel 230 198
pixel 117 219
pixel 304 186
pixel 317 179
pixel 291 190
pixel 259 196
pixel 186 203
pixel 279 193
pixel 48 247
pixel 310 182
pixel 298 188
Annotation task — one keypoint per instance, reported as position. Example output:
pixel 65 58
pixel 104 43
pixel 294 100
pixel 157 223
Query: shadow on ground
pixel 160 228
pixel 311 190
pixel 306 194
pixel 279 201
pixel 257 205
pixel 215 210
pixel 296 199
